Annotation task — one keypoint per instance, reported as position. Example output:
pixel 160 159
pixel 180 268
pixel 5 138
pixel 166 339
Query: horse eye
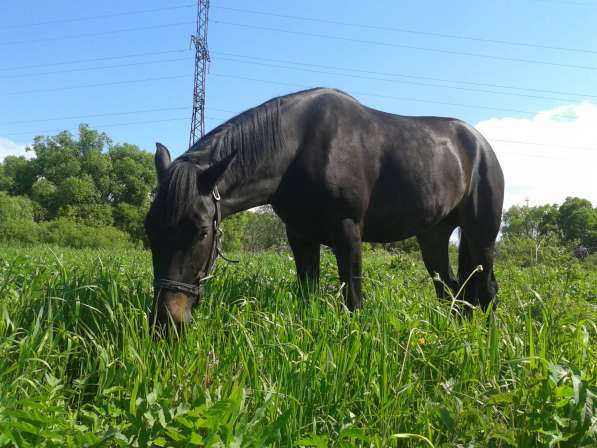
pixel 202 234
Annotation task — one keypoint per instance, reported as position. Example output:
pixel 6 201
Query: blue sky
pixel 498 65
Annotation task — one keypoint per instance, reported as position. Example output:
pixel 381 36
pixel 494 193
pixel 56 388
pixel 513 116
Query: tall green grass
pixel 260 366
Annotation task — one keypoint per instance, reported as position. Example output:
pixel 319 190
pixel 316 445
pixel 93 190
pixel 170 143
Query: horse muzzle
pixel 175 307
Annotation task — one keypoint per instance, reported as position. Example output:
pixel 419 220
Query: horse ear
pixel 162 160
pixel 214 172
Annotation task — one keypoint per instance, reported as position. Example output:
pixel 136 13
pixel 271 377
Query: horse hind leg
pixel 481 288
pixel 434 245
pixel 480 227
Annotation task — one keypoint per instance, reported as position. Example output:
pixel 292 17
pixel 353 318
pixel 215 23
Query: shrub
pixel 63 232
pixel 528 251
pixel 16 219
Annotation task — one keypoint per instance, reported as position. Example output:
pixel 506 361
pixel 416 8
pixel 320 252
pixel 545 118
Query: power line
pixel 418 100
pixel 135 81
pixel 102 16
pixel 107 114
pixel 285 61
pixel 130 123
pixel 301 86
pixel 404 75
pixel 85 69
pixel 162 61
pixel 409 31
pixel 213 118
pixel 168 109
pixel 224 75
pixel 104 58
pixel 318 35
pixel 349 75
pixel 409 47
pixel 327 21
pixel 101 33
pixel 103 84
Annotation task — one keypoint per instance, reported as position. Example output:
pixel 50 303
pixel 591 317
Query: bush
pixel 528 251
pixel 63 232
pixel 22 232
pixel 16 219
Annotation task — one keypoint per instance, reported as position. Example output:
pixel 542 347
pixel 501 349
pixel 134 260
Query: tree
pixel 129 218
pixel 264 230
pixel 56 158
pixel 6 182
pixel 235 229
pixel 133 175
pixel 530 222
pixel 83 181
pixel 578 221
pixel 45 193
pixel 20 174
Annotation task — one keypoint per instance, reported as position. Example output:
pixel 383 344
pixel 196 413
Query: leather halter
pixel 194 290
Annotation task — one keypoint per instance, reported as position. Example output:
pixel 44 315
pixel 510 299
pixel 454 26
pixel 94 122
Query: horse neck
pixel 244 191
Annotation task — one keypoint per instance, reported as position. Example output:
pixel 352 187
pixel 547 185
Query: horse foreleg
pixel 306 258
pixel 347 246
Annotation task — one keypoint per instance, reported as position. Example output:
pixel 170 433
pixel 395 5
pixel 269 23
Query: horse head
pixel 182 227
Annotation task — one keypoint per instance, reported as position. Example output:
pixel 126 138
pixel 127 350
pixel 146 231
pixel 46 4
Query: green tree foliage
pixel 548 233
pixel 88 182
pixel 129 218
pixel 45 194
pixel 254 231
pixel 19 174
pixel 234 229
pixel 133 174
pixel 6 181
pixel 264 230
pixel 530 221
pixel 67 233
pixel 16 219
pixel 577 220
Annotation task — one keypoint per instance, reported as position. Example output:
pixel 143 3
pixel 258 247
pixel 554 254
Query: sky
pixel 524 72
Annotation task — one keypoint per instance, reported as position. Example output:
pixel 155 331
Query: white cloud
pixel 10 148
pixel 558 160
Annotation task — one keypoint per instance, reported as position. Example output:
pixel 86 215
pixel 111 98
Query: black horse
pixel 337 173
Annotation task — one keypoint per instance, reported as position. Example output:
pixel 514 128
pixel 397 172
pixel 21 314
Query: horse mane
pixel 180 189
pixel 254 135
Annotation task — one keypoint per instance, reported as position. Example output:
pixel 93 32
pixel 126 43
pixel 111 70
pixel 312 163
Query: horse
pixel 337 173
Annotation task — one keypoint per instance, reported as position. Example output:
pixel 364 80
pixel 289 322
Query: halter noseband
pixel 194 290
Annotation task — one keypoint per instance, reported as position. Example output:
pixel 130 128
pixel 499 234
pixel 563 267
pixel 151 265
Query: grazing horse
pixel 337 173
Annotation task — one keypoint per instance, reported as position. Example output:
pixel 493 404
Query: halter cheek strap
pixel 194 290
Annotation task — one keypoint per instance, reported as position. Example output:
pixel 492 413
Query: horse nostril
pixel 176 307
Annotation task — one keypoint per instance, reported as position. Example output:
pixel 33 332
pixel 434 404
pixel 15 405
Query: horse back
pixel 394 174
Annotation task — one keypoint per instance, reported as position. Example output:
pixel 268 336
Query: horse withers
pixel 337 173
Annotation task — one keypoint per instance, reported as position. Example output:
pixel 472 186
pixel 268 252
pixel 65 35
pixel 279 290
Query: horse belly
pixel 399 223
pixel 406 210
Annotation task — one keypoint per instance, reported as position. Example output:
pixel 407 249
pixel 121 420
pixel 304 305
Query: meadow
pixel 261 366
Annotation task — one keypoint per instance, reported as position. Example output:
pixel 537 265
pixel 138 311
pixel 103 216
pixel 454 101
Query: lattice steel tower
pixel 201 64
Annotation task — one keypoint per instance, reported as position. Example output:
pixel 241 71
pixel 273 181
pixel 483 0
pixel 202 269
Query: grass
pixel 260 366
